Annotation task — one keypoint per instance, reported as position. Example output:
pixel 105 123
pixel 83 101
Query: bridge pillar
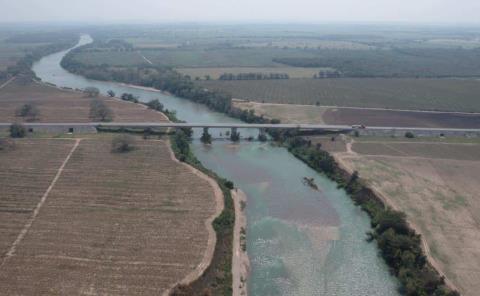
pixel 206 137
pixel 262 136
pixel 234 135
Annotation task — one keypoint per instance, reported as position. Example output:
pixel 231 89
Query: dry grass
pixel 436 185
pixel 65 106
pixel 113 224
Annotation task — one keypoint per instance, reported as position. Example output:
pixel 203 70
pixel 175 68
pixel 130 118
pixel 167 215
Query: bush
pixel 17 130
pixel 91 92
pixel 100 112
pixel 123 144
pixel 155 105
pixel 229 185
pixel 409 135
pixel 29 111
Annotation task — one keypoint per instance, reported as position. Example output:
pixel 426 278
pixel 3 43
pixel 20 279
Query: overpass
pixel 368 130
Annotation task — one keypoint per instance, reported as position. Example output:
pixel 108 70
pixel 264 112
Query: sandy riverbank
pixel 240 261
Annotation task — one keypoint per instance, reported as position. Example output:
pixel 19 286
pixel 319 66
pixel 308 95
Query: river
pixel 300 241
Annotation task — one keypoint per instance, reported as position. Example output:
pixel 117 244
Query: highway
pixel 326 127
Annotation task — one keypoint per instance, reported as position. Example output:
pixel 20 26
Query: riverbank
pixel 400 245
pixel 240 262
pixel 212 236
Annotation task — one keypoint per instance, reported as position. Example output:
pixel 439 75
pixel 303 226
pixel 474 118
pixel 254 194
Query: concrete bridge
pixel 86 127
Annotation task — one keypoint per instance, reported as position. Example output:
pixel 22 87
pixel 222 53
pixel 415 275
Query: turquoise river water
pixel 299 241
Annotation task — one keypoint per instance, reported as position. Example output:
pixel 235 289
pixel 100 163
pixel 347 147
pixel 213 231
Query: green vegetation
pixel 253 76
pixel 217 279
pixel 28 111
pixel 123 143
pixel 155 105
pixel 91 92
pixel 400 246
pixel 99 111
pixel 421 94
pixel 17 130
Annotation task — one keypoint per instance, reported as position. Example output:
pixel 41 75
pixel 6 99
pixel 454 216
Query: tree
pixel 123 144
pixel 111 93
pixel 100 112
pixel 28 111
pixel 409 135
pixel 155 105
pixel 91 92
pixel 17 130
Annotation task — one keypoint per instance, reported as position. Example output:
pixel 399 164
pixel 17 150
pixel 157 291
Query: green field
pixel 425 94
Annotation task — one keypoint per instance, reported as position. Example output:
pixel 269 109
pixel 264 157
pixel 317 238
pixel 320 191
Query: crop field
pixel 369 117
pixel 424 94
pixel 290 113
pixel 435 184
pixel 113 223
pixel 57 105
pixel 26 174
pixel 193 57
pixel 214 73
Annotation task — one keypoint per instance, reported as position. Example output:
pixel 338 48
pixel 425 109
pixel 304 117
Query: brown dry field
pixel 57 105
pixel 370 117
pixel 436 184
pixel 113 224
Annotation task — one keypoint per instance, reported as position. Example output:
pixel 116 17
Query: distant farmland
pixel 123 224
pixel 424 94
pixel 214 73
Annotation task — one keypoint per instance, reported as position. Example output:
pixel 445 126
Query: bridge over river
pixel 83 127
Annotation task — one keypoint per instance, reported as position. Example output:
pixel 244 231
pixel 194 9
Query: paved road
pixel 235 125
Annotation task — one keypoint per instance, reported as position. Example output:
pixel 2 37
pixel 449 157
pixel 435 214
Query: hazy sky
pixel 444 11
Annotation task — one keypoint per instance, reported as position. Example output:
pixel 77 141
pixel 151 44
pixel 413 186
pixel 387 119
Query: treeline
pixel 253 76
pixel 327 74
pixel 217 279
pixel 110 45
pixel 399 245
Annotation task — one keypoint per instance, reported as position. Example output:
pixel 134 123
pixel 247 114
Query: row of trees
pixel 400 246
pixel 253 76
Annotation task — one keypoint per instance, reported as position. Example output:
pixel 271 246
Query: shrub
pixel 155 105
pixel 17 130
pixel 100 112
pixel 29 111
pixel 123 144
pixel 91 92
pixel 409 135
pixel 229 185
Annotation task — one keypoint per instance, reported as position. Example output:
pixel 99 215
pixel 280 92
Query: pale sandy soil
pixel 438 190
pixel 286 113
pixel 240 262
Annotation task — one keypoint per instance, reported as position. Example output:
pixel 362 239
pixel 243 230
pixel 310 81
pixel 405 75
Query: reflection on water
pixel 300 241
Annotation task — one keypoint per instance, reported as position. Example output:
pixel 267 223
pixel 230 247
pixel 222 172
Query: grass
pixel 426 94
